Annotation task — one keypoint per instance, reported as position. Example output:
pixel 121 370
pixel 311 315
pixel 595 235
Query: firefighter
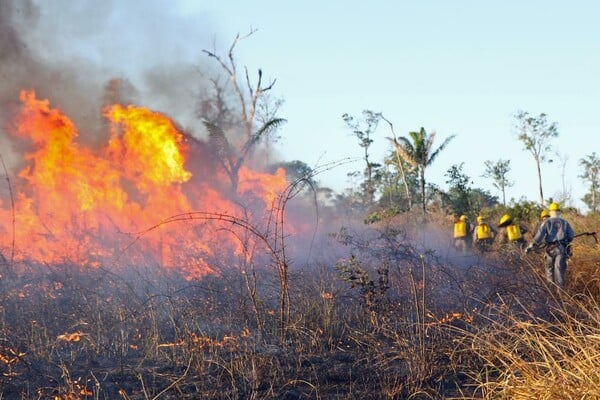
pixel 463 232
pixel 544 215
pixel 556 235
pixel 483 235
pixel 511 232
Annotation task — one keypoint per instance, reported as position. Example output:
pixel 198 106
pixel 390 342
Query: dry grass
pixel 541 359
pixel 394 321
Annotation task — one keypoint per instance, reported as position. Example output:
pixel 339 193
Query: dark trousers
pixel 555 260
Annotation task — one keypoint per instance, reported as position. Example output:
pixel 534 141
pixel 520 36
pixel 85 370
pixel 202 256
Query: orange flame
pixel 82 205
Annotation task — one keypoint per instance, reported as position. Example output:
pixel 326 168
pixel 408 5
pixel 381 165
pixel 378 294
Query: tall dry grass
pixel 533 358
pixel 401 317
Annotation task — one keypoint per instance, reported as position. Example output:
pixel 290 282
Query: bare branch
pixel 12 205
pixel 248 102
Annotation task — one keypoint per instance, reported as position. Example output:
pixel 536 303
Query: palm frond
pixel 404 152
pixel 267 127
pixel 440 148
pixel 218 140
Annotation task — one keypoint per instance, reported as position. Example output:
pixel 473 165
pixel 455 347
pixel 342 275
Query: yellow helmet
pixel 544 214
pixel 554 207
pixel 463 217
pixel 504 219
pixel 479 219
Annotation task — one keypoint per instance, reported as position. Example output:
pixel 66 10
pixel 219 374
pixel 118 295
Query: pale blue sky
pixel 461 67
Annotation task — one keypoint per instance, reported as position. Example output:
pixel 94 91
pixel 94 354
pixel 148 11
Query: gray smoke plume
pixel 82 54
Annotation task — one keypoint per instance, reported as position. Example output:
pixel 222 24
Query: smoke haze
pixel 81 54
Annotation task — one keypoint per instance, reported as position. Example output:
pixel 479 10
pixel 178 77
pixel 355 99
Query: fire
pixel 82 205
pixel 267 187
pixel 150 148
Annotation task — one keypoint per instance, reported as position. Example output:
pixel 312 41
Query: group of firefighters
pixel 553 233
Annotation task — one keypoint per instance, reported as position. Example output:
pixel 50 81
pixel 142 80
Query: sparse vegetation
pixel 396 319
pixel 385 310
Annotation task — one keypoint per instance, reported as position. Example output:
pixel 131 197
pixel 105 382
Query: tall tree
pixel 399 182
pixel 498 172
pixel 591 174
pixel 417 150
pixel 221 116
pixel 363 130
pixel 399 162
pixel 564 195
pixel 536 133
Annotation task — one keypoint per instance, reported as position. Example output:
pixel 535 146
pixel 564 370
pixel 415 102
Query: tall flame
pixel 84 206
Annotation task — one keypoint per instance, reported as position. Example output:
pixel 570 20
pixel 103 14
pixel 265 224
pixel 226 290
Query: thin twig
pixel 12 206
pixel 176 381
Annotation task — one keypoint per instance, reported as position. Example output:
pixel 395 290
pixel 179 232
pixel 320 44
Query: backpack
pixel 513 232
pixel 483 232
pixel 460 229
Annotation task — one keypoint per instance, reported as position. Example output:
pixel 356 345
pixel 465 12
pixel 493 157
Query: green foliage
pixel 461 198
pixel 498 172
pixel 393 188
pixel 591 174
pixel 523 210
pixel 482 199
pixel 363 130
pixel 380 215
pixel 536 133
pixel 403 167
pixel 418 151
pixel 459 194
pixel 590 199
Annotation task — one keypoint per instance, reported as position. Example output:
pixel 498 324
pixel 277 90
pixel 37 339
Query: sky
pixel 459 68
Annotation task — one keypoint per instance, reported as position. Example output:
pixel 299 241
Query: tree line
pixel 400 178
pixel 241 118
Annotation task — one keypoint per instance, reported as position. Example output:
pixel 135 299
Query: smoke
pixel 79 55
pixel 15 62
pixel 83 55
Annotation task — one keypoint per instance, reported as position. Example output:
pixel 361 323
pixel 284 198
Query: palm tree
pixel 399 160
pixel 230 158
pixel 418 152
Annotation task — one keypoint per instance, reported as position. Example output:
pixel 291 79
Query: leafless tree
pixel 256 119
